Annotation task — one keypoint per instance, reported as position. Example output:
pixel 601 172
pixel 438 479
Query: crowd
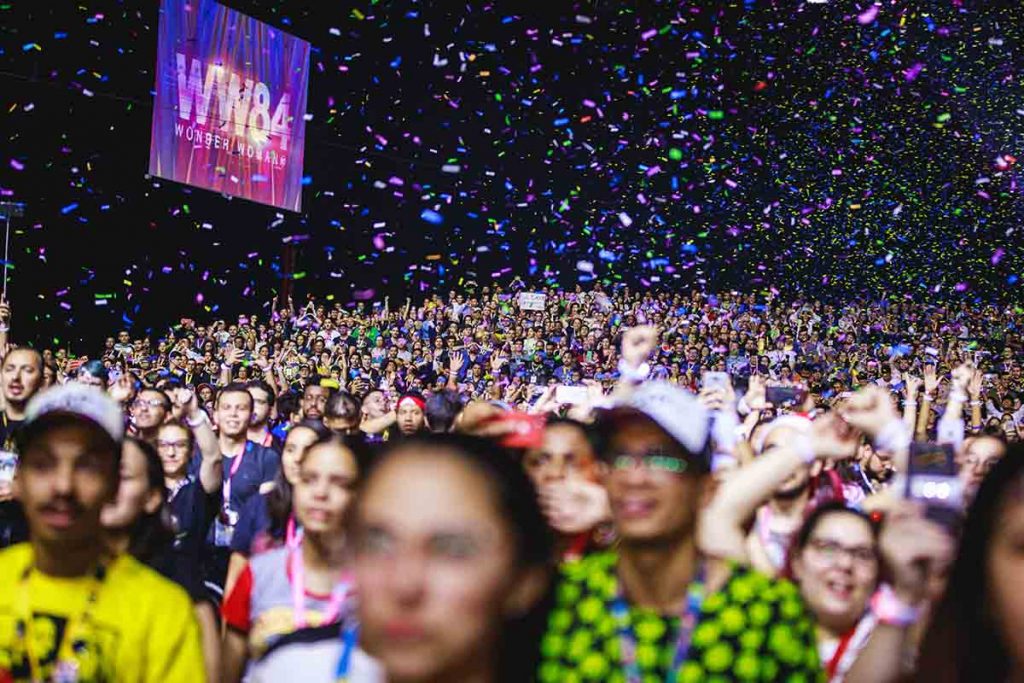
pixel 600 485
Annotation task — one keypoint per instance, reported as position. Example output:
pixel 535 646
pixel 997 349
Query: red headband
pixel 415 399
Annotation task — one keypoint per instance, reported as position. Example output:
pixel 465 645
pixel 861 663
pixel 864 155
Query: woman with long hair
pixel 284 614
pixel 452 558
pixel 267 521
pixel 977 631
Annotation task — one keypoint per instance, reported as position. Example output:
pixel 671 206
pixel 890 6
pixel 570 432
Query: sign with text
pixel 532 301
pixel 230 107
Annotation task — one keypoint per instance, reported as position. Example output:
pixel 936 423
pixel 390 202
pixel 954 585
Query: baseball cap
pixel 675 410
pixel 79 400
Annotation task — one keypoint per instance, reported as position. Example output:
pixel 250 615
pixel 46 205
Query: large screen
pixel 229 113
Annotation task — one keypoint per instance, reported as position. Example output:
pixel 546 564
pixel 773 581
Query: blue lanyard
pixel 687 624
pixel 349 636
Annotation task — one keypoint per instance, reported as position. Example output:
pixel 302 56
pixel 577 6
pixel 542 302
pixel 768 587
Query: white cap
pixel 82 400
pixel 675 410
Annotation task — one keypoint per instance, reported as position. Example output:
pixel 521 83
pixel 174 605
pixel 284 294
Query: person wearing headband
pixel 411 409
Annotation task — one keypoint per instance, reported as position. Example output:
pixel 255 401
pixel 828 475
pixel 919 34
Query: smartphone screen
pixel 785 396
pixel 932 479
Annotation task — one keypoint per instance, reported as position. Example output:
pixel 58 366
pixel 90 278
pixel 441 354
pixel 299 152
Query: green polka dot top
pixel 754 629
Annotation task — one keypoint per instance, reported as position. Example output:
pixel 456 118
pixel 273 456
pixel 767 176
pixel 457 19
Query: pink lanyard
pixel 338 595
pixel 227 480
pixel 292 536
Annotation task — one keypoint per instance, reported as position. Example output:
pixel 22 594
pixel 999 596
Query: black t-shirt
pixel 192 511
pixel 13 528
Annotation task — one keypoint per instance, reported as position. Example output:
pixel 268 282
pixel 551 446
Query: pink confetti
pixel 868 15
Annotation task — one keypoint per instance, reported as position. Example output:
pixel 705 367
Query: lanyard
pixel 687 623
pixel 292 534
pixel 235 464
pixel 837 656
pixel 66 666
pixel 349 636
pixel 338 595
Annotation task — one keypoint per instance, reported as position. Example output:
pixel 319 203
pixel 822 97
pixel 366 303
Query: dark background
pixel 847 174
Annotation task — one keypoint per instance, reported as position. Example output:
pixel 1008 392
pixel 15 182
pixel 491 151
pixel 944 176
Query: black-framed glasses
pixel 831 551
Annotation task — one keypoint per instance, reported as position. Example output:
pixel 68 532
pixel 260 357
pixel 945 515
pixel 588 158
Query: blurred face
pixel 375 405
pixel 652 499
pixel 234 410
pixel 295 446
pixel 323 491
pixel 1005 570
pixel 22 376
pixel 65 477
pixel 134 497
pixel 90 380
pixel 175 449
pixel 838 570
pixel 435 565
pixel 565 454
pixel 980 455
pixel 261 406
pixel 314 400
pixel 149 409
pixel 410 417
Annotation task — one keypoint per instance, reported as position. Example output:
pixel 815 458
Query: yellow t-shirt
pixel 141 626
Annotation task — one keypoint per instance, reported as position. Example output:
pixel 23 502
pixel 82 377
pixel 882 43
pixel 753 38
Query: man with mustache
pixel 69 610
pixel 21 376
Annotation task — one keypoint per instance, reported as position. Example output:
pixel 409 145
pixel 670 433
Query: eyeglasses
pixel 655 460
pixel 831 551
pixel 176 445
pixel 152 403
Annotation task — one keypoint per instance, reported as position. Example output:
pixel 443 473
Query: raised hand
pixel 121 390
pixel 756 396
pixel 833 438
pixel 974 386
pixel 912 548
pixel 574 506
pixel 638 343
pixel 869 410
pixel 456 362
pixel 913 385
pixel 931 380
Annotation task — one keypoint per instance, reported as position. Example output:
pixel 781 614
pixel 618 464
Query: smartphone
pixel 785 396
pixel 570 395
pixel 8 465
pixel 715 380
pixel 932 479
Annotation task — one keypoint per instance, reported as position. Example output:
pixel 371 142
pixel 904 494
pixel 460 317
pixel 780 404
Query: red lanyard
pixel 338 595
pixel 844 644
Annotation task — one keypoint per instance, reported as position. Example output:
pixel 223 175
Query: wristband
pixel 894 436
pixel 928 397
pixel 891 610
pixel 4 328
pixel 634 375
pixel 976 403
pixel 225 366
pixel 197 421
